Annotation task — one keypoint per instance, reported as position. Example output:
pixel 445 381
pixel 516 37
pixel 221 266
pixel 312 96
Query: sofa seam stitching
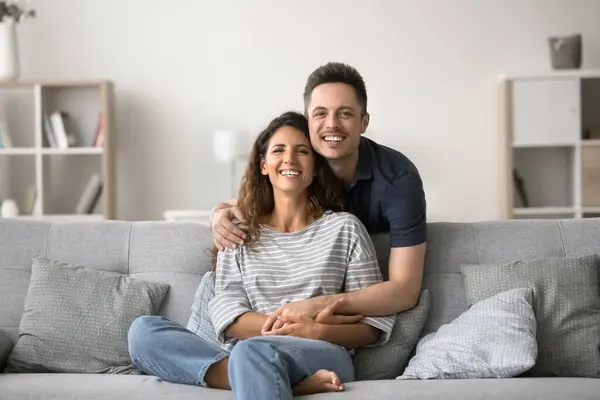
pixel 475 244
pixel 47 240
pixel 129 249
pixel 562 238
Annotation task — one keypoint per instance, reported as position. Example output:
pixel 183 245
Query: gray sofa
pixel 176 253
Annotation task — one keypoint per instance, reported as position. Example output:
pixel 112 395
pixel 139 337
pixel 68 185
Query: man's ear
pixel 365 123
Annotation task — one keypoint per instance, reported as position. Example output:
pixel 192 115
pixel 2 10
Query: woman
pixel 300 245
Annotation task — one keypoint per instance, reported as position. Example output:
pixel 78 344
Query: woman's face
pixel 289 160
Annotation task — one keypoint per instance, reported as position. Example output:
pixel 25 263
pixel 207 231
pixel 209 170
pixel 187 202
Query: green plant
pixel 15 10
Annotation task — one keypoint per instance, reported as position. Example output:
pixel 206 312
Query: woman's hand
pixel 298 326
pixel 321 309
pixel 303 326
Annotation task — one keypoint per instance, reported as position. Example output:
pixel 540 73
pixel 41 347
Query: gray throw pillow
pixel 566 304
pixel 388 361
pixel 495 338
pixel 76 319
pixel 200 322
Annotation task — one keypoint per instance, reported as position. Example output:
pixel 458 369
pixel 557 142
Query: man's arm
pixel 350 336
pixel 404 207
pixel 399 293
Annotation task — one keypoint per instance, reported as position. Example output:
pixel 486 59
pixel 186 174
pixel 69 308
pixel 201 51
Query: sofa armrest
pixel 6 346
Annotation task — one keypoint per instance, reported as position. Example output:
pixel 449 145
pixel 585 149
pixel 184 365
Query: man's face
pixel 336 120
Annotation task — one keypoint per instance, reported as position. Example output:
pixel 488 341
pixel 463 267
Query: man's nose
pixel 331 122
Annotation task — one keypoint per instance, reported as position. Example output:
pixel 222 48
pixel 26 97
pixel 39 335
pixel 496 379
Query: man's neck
pixel 345 168
pixel 290 213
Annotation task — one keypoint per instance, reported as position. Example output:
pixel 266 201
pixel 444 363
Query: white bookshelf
pixel 550 125
pixel 58 175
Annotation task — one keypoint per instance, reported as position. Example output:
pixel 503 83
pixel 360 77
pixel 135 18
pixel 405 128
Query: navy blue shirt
pixel 388 195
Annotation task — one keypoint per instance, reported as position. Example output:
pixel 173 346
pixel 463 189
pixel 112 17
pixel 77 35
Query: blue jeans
pixel 262 367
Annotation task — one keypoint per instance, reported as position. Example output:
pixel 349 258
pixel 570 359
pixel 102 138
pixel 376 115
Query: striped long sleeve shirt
pixel 334 254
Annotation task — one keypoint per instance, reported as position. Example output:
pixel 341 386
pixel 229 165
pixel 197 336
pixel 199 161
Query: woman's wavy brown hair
pixel 255 198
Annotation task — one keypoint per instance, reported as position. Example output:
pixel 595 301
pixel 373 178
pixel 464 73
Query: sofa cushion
pixel 142 387
pixel 566 305
pixel 76 319
pixel 495 338
pixel 388 361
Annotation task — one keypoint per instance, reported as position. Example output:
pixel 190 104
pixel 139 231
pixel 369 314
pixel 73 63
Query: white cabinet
pixel 546 112
pixel 551 130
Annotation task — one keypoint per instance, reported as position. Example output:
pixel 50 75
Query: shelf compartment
pixel 81 107
pixel 65 179
pixel 17 182
pixel 17 111
pixel 590 176
pixel 548 177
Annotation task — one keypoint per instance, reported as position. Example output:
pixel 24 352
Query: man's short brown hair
pixel 336 72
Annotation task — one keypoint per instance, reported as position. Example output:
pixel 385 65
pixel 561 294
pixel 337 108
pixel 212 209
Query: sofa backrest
pixel 450 245
pixel 175 253
pixel 178 253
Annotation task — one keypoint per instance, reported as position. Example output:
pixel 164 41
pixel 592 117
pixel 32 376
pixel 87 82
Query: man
pixel 384 190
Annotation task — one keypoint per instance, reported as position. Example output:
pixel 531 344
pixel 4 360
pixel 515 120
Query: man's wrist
pixel 321 331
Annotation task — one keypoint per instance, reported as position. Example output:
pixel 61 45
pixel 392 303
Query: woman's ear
pixel 263 166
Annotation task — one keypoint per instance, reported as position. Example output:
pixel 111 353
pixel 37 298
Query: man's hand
pixel 298 326
pixel 306 308
pixel 224 232
pixel 321 309
pixel 327 315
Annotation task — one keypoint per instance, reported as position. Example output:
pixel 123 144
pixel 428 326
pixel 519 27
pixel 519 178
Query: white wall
pixel 183 68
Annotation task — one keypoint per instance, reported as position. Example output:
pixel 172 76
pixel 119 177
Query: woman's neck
pixel 290 213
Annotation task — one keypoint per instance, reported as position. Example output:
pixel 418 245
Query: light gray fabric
pixel 136 387
pixel 76 319
pixel 388 361
pixel 174 253
pixel 495 338
pixel 566 304
pixel 6 345
pixel 177 254
pixel 19 241
pixel 200 322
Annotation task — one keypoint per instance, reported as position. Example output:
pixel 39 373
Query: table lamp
pixel 230 146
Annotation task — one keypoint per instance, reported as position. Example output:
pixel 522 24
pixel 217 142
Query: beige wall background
pixel 183 68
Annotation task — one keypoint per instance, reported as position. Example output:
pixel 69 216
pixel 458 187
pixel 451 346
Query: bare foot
pixel 320 382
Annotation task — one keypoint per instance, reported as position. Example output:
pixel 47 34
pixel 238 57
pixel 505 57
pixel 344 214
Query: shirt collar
pixel 364 167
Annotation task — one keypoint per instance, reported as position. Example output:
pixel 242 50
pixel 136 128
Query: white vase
pixel 9 53
pixel 9 209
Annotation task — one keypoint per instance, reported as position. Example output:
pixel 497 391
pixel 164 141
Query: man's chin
pixel 334 155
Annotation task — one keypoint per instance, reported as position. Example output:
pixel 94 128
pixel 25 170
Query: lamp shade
pixel 228 144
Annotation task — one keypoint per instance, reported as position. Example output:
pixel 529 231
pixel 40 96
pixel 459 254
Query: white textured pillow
pixel 495 338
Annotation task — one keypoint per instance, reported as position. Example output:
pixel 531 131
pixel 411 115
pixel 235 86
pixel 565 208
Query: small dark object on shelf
pixel 520 186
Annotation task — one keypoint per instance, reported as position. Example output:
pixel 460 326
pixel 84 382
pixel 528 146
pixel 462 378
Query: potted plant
pixel 11 13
